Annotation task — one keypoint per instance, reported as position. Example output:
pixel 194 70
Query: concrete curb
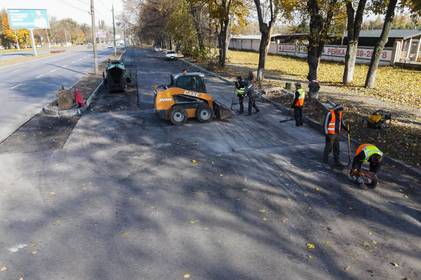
pixel 55 112
pixel 416 172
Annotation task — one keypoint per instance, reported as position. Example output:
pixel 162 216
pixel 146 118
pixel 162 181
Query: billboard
pixel 28 18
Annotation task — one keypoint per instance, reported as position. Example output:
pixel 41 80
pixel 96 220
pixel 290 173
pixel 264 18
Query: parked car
pixel 110 46
pixel 157 49
pixel 171 55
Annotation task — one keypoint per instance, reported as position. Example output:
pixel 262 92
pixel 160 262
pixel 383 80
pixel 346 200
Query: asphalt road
pixel 27 87
pixel 130 196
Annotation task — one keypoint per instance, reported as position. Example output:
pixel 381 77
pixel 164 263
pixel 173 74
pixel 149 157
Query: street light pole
pixel 115 46
pixel 94 36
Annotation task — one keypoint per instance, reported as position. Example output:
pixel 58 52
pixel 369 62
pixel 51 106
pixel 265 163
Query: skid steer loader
pixel 186 97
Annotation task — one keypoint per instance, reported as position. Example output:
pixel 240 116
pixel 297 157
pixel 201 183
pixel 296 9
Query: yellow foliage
pixel 401 86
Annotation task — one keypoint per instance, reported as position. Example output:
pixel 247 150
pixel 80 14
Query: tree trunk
pixel 196 15
pixel 263 50
pixel 354 23
pixel 222 42
pixel 350 59
pixel 375 58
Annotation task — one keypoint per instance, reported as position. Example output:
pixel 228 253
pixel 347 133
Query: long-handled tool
pixel 349 147
pixel 286 120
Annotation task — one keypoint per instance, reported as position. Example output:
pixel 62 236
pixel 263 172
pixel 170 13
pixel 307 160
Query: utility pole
pixel 115 46
pixel 94 36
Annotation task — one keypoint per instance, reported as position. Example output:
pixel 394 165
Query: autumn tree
pixel 355 14
pixel 267 13
pixel 223 11
pixel 11 37
pixel 321 17
pixel 375 58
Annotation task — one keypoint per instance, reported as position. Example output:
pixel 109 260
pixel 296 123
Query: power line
pixel 75 7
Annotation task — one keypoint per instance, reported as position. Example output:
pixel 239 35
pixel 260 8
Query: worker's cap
pixel 298 84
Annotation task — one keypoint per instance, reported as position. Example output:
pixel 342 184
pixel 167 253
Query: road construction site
pixel 121 194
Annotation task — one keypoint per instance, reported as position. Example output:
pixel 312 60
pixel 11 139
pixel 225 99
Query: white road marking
pixel 15 86
pixel 39 76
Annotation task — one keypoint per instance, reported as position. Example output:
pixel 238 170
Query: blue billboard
pixel 28 18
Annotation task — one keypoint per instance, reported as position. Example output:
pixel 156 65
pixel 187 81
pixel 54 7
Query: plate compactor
pixel 186 97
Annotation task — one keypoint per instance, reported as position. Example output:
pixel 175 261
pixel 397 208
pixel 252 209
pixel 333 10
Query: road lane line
pixel 15 86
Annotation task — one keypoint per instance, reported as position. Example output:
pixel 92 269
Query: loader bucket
pixel 221 111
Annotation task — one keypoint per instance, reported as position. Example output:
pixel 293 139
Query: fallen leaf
pixel 221 175
pixel 52 193
pixel 317 189
pixel 394 264
pixel 193 161
pixel 347 268
pixel 262 210
pixel 310 246
pixel 124 234
pixel 264 219
pixel 193 221
pixel 186 276
pixel 3 269
pixel 34 252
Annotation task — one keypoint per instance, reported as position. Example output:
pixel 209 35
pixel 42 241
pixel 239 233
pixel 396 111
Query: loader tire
pixel 204 114
pixel 178 116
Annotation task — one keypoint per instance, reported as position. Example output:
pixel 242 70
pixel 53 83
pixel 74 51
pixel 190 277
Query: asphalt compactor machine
pixel 185 98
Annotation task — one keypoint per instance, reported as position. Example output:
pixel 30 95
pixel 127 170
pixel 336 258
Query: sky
pixel 75 9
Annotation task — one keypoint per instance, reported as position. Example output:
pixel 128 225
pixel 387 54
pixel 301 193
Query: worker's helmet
pixel 298 85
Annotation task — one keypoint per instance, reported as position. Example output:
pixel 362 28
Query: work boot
pixel 339 165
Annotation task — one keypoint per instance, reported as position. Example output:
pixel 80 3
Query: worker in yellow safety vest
pixel 298 104
pixel 240 91
pixel 367 153
pixel 333 125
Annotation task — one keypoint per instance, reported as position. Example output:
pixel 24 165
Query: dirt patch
pixel 41 133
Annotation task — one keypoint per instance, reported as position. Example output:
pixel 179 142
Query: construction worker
pixel 298 104
pixel 251 93
pixel 240 91
pixel 366 153
pixel 332 128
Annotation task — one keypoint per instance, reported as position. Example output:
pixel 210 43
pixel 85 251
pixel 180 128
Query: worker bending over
pixel 298 104
pixel 366 153
pixel 332 128
pixel 240 91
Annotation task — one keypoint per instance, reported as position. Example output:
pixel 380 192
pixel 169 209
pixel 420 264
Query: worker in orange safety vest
pixel 333 125
pixel 298 104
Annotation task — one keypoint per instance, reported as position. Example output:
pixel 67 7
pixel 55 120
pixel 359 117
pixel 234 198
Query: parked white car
pixel 171 55
pixel 157 49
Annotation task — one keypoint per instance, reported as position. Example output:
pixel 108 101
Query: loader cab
pixel 189 81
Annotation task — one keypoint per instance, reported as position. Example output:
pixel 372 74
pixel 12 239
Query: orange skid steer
pixel 185 98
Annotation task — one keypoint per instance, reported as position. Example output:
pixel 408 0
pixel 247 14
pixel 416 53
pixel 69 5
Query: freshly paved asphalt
pixel 130 196
pixel 27 87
